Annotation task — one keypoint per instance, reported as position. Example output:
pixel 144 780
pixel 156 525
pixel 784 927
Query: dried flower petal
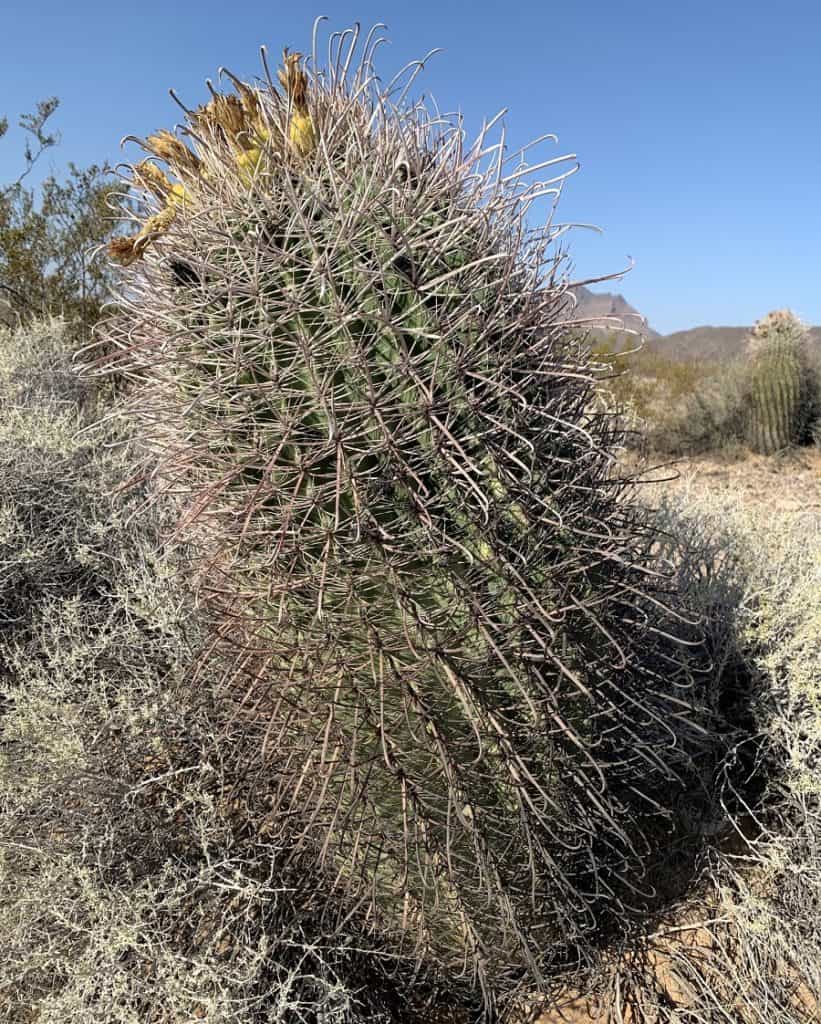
pixel 122 250
pixel 294 80
pixel 151 177
pixel 175 153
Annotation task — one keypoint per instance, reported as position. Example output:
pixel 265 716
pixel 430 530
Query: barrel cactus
pixel 456 663
pixel 779 385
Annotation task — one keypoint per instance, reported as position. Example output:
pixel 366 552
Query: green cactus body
pixel 778 401
pixel 464 676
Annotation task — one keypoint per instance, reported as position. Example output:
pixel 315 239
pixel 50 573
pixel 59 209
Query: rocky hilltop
pixel 606 305
pixel 701 343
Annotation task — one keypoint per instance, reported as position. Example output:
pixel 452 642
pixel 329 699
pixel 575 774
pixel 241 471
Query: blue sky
pixel 697 126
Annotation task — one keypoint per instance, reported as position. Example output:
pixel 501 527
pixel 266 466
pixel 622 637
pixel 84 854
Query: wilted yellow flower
pixel 123 250
pixel 249 98
pixel 238 121
pixel 177 194
pixel 175 153
pixel 152 178
pixel 248 161
pixel 261 131
pixel 155 226
pixel 294 80
pixel 223 112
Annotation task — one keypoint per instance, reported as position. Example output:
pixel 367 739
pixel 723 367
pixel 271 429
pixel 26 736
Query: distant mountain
pixel 709 343
pixel 703 343
pixel 598 306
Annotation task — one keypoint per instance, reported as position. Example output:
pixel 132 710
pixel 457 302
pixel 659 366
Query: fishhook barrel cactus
pixel 352 358
pixel 780 403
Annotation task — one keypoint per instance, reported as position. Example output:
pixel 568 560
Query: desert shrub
pixel 646 380
pixel 673 406
pixel 446 629
pixel 763 960
pixel 51 236
pixel 56 487
pixel 37 369
pixel 710 417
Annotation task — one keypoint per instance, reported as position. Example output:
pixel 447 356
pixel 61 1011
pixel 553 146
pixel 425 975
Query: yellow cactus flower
pixel 175 153
pixel 248 161
pixel 301 133
pixel 178 194
pixel 260 131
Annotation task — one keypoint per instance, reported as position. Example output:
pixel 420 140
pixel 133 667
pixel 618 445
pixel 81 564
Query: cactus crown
pixel 352 359
pixel 778 327
pixel 245 133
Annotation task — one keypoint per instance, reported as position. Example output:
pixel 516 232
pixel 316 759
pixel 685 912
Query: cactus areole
pixel 351 357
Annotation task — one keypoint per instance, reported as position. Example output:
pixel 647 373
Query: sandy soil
pixel 789 484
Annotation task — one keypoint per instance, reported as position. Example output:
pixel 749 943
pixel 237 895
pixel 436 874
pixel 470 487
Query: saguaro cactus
pixel 351 357
pixel 779 383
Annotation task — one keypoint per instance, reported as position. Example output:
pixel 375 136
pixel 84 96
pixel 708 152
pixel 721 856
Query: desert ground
pixel 786 485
